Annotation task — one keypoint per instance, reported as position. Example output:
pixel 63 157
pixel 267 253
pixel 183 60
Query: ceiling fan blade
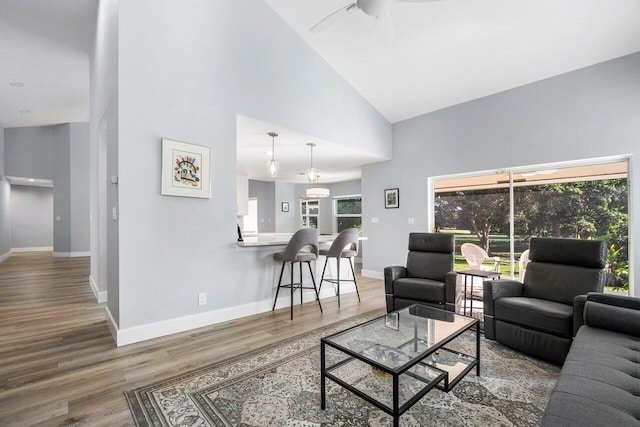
pixel 385 28
pixel 333 18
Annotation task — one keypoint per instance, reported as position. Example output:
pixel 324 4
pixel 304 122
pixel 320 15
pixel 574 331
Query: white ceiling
pixel 453 51
pixel 44 44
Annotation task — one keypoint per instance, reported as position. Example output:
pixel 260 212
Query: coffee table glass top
pixel 398 339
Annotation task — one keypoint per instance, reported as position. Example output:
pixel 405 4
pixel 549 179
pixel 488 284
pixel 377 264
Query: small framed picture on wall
pixel 285 206
pixel 391 198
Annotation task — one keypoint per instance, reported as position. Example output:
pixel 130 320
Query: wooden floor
pixel 59 365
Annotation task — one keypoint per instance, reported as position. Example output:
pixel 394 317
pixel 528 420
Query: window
pixel 348 212
pixel 309 209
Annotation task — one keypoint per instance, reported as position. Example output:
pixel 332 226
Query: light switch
pixel 374 220
pixel 410 221
pixel 114 213
pixel 57 218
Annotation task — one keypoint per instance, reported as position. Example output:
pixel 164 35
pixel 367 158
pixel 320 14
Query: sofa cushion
pixel 546 316
pixel 418 289
pixel 561 283
pixel 429 265
pixel 599 383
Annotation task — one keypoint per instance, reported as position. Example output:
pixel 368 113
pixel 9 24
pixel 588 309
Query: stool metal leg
pixel 354 279
pixel 338 280
pixel 300 265
pixel 278 288
pixel 314 285
pixel 323 269
pixel 291 276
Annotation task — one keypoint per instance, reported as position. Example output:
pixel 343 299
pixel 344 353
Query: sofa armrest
pixel 618 313
pixel 450 282
pixel 578 312
pixel 392 273
pixel 500 288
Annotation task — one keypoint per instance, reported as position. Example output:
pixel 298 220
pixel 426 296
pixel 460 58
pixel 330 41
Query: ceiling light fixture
pixel 25 111
pixel 16 84
pixel 312 176
pixel 312 173
pixel 272 165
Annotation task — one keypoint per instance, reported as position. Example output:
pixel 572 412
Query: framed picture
pixel 391 198
pixel 392 321
pixel 186 169
pixel 285 206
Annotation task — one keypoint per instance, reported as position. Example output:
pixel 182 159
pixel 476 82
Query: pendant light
pixel 312 176
pixel 272 165
pixel 312 173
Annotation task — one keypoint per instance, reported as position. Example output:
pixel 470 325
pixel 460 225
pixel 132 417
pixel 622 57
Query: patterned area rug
pixel 279 385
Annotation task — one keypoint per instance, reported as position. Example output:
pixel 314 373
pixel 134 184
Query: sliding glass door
pixel 500 212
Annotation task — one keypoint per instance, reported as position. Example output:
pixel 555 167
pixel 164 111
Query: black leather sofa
pixel 538 316
pixel 428 278
pixel 599 384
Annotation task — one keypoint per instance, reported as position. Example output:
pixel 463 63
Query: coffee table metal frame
pixel 396 410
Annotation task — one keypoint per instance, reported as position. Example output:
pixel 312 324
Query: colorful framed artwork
pixel 186 169
pixel 285 206
pixel 391 198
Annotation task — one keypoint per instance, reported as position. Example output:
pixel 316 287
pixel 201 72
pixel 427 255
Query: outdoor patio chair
pixel 475 257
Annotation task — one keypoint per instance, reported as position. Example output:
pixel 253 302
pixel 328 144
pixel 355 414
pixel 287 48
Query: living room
pixel 180 72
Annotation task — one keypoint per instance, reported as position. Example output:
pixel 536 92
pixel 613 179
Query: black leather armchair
pixel 541 315
pixel 428 278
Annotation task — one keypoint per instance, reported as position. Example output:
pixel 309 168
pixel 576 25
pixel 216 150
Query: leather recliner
pixel 541 315
pixel 428 277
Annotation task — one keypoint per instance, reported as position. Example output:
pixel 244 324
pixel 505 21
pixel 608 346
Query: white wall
pixel 79 187
pixel 185 73
pixel 103 133
pixel 31 217
pixel 588 113
pixel 5 201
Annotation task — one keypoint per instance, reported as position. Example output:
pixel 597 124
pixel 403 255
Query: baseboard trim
pixel 112 324
pixel 101 296
pixel 5 256
pixel 186 323
pixel 373 274
pixel 71 254
pixel 33 249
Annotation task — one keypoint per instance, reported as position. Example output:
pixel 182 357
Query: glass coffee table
pixel 394 360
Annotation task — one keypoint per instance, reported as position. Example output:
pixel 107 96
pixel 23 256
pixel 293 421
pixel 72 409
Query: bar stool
pixel 293 253
pixel 344 246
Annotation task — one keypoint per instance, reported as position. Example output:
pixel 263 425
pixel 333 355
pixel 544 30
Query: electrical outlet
pixel 202 298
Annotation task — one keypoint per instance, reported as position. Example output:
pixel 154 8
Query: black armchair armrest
pixel 450 290
pixel 618 313
pixel 500 288
pixel 392 273
pixel 578 312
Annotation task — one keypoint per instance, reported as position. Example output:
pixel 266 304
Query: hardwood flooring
pixel 59 365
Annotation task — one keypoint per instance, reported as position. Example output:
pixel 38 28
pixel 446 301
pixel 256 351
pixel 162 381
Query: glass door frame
pixel 557 165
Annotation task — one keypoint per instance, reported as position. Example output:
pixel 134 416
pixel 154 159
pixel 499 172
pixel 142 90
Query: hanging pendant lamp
pixel 272 165
pixel 312 176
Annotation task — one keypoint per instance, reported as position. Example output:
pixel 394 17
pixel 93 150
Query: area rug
pixel 279 385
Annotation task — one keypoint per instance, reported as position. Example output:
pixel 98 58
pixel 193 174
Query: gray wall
pixel 286 222
pixel 59 153
pixel 31 217
pixel 232 58
pixel 61 189
pixel 103 155
pixel 79 186
pixel 5 202
pixel 29 152
pixel 265 192
pixel 588 113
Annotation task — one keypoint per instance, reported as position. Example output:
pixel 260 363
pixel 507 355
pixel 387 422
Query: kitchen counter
pixel 277 239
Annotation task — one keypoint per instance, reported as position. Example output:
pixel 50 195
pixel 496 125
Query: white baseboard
pixel 5 256
pixel 33 249
pixel 172 326
pixel 113 325
pixel 101 296
pixel 71 254
pixel 373 274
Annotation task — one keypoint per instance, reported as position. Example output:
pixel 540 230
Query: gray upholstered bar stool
pixel 344 246
pixel 303 247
